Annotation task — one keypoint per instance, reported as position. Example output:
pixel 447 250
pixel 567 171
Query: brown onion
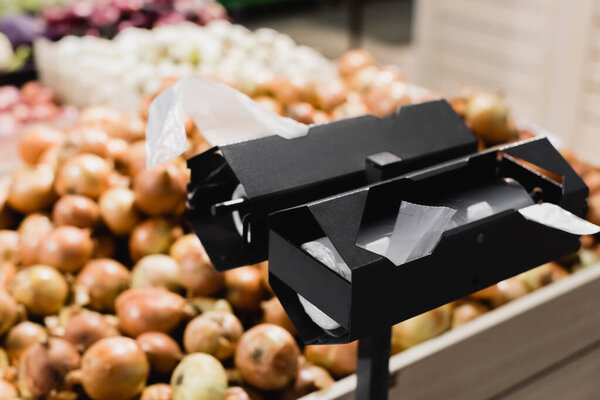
pixel 113 122
pixel 488 116
pixel 215 332
pixel 236 393
pixel 85 174
pixel 33 229
pixel 273 313
pixel 158 391
pixel 149 309
pixel 330 94
pixel 40 288
pixel 185 245
pixel 420 328
pixel 162 351
pixel 310 378
pixel 543 275
pixel 8 391
pixel 67 248
pixel 136 158
pixel 87 327
pixel 204 304
pixel 76 210
pixel 114 369
pixel 301 112
pixel 466 311
pixel 270 104
pixel 9 312
pixel 386 99
pixel 338 359
pixel 160 190
pixel 157 270
pixel 592 180
pixel 198 275
pixel 267 357
pixel 593 214
pixel 288 90
pixel 353 107
pixel 353 61
pixel 20 337
pixel 199 377
pixel 32 189
pixel 36 139
pixel 117 151
pixel 103 280
pixel 117 207
pixel 7 273
pixel 90 140
pixel 502 292
pixel 244 288
pixel 9 246
pixel 44 366
pixel 152 236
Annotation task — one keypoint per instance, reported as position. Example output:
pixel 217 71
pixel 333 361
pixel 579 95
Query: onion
pixel 33 229
pixel 288 90
pixel 157 270
pixel 199 377
pixel 117 207
pixel 263 267
pixel 214 332
pixel 76 210
pixel 592 180
pixel 466 311
pixel 40 288
pixel 9 246
pixel 32 189
pixel 541 276
pixel 86 328
pixel 162 351
pixel 44 366
pixel 7 273
pixel 421 328
pixel 330 94
pixel 353 107
pixel 593 214
pixel 338 359
pixel 270 104
pixel 236 393
pixel 103 280
pixel 204 304
pixel 9 312
pixel 36 139
pixel 152 236
pixel 143 310
pixel 160 190
pixel 386 99
pixel 8 390
pixel 116 150
pixel 267 357
pixel 301 112
pixel 502 292
pixel 310 378
pixel 244 288
pixel 8 219
pixel 114 369
pixel 158 391
pixel 488 116
pixel 273 313
pixel 67 248
pixel 20 337
pixel 187 245
pixel 136 158
pixel 85 174
pixel 113 122
pixel 198 275
pixel 353 61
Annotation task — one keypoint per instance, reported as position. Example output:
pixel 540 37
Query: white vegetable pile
pixel 89 70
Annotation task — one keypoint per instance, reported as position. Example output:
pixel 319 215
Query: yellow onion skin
pixel 466 311
pixel 117 208
pixel 158 391
pixel 267 357
pixel 338 359
pixel 103 280
pixel 273 313
pixel 86 328
pixel 162 351
pixel 244 288
pixel 9 312
pixel 67 248
pixel 32 189
pixel 199 377
pixel 84 174
pixel 44 366
pixel 35 140
pixel 40 288
pixel 8 391
pixel 33 229
pixel 22 336
pixel 143 310
pixel 75 210
pixel 156 270
pixel 310 378
pixel 418 329
pixel 114 369
pixel 215 332
pixel 153 236
pixel 160 190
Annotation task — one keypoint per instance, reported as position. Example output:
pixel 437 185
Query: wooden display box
pixel 545 345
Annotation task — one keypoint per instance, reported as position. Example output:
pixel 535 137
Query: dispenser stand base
pixel 373 366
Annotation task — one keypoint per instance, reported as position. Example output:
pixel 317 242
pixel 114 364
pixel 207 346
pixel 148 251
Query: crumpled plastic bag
pixel 222 114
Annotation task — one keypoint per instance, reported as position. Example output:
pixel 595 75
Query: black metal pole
pixel 355 21
pixel 373 366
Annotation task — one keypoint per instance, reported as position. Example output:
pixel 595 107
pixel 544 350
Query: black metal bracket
pixel 373 366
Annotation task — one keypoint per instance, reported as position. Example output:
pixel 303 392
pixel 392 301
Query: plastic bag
pixel 223 115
